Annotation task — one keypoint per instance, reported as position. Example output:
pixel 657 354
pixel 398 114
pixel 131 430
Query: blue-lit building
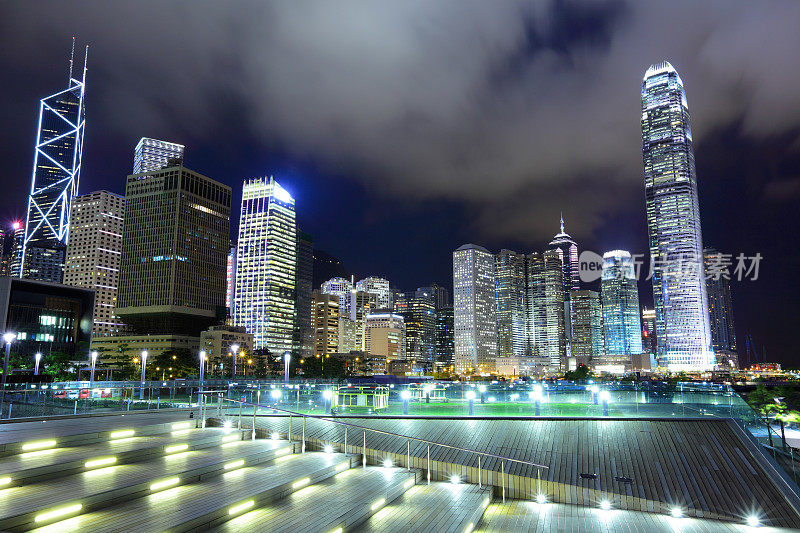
pixel 56 172
pixel 622 326
pixel 673 222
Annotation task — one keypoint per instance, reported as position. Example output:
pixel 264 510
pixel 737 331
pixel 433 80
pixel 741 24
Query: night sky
pixel 405 129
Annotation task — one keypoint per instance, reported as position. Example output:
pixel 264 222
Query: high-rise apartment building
pixel 587 336
pixel 673 221
pixel 93 254
pixel 622 328
pixel 266 262
pixel 175 243
pixel 444 337
pixel 418 312
pixel 56 173
pixel 510 293
pixel 379 289
pixel 325 320
pixel 303 341
pixel 12 249
pixel 720 307
pixel 474 310
pixel 546 332
pixel 153 154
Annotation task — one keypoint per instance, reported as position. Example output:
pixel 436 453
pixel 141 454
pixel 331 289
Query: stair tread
pixel 434 507
pixel 29 498
pixel 23 461
pixel 321 505
pixel 170 508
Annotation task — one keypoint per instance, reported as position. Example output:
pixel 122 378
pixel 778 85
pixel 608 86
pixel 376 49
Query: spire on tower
pixel 71 58
pixel 85 58
pixel 562 222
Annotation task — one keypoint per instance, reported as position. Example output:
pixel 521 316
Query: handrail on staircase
pixel 409 438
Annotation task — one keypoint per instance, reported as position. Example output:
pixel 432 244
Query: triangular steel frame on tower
pixel 55 178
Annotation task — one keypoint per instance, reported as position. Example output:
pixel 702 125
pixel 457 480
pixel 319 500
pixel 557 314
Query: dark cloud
pixel 473 101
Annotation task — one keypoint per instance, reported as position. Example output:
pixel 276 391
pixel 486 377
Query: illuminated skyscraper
pixel 673 220
pixel 587 336
pixel 567 251
pixel 339 287
pixel 444 337
pixel 152 154
pixel 649 331
pixel 303 330
pixel 266 259
pixel 379 288
pixel 93 254
pixel 622 327
pixel 546 309
pixel 56 172
pixel 510 293
pixel 325 321
pixel 474 309
pixel 230 278
pixel 419 315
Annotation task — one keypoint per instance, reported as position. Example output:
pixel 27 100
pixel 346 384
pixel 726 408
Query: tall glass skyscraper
pixel 56 172
pixel 546 309
pixel 567 250
pixel 720 309
pixel 673 220
pixel 153 154
pixel 474 310
pixel 379 288
pixel 266 259
pixel 622 327
pixel 510 294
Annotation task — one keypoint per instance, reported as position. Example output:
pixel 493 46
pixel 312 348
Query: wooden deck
pixel 705 466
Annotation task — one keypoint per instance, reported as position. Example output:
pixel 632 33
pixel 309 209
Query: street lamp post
pixel 604 396
pixel 286 358
pixel 202 367
pixel 8 338
pixel 406 396
pixel 327 395
pixel 91 374
pixel 36 359
pixel 144 363
pixel 471 398
pixel 234 350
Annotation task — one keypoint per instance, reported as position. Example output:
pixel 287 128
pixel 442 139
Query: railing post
pixel 479 472
pixel 364 451
pixel 240 416
pixel 503 479
pixel 254 422
pixel 345 440
pixel 539 481
pixel 289 436
pixel 303 446
pixel 408 455
pixel 429 464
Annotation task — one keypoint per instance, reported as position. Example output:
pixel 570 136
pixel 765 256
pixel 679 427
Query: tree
pixel 172 364
pixel 581 373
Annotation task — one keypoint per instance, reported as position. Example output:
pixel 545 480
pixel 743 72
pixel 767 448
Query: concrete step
pixel 342 502
pixel 195 507
pixel 441 507
pixel 32 504
pixel 35 466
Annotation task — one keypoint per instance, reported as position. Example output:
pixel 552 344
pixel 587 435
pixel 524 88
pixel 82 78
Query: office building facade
pixel 587 335
pixel 546 310
pixel 445 349
pixel 474 310
pixel 622 327
pixel 93 255
pixel 510 293
pixel 720 308
pixel 418 312
pixel 175 243
pixel 673 221
pixel 266 262
pixel 303 342
pixel 379 289
pixel 325 320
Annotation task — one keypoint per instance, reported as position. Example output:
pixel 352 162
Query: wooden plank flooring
pixel 700 465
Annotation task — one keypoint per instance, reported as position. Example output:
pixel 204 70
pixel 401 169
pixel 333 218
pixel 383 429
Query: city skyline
pixel 740 196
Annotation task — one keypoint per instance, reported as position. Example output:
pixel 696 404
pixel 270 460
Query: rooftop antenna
pixel 85 58
pixel 71 58
pixel 562 222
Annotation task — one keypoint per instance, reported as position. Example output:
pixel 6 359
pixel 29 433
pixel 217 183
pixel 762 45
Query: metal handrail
pixel 389 433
